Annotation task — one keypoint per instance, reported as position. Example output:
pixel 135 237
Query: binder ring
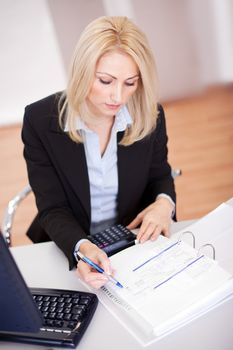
pixel 207 245
pixel 192 235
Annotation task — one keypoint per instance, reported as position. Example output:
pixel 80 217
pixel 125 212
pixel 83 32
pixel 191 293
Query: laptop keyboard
pixel 113 239
pixel 66 315
pixel 63 312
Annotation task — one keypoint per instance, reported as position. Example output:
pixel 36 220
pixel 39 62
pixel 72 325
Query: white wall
pixel 168 28
pixel 192 41
pixel 212 27
pixel 69 19
pixel 30 62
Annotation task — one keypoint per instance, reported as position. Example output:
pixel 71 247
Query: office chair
pixel 14 203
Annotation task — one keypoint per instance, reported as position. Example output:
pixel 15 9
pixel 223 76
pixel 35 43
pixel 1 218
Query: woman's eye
pixel 130 84
pixel 106 82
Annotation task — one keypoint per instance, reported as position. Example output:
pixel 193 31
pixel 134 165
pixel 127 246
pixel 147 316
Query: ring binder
pixel 193 237
pixel 207 245
pixel 194 243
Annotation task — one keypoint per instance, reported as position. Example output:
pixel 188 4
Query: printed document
pixel 167 283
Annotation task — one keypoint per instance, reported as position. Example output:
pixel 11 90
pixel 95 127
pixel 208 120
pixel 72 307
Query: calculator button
pixel 113 239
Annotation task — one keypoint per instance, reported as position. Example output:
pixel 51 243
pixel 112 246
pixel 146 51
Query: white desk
pixel 44 265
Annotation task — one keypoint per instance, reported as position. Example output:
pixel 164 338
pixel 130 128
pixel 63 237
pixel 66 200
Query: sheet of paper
pixel 174 264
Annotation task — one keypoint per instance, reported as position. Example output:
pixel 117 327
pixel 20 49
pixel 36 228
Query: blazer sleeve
pixel 160 178
pixel 54 212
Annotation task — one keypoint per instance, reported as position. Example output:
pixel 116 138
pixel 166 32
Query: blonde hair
pixel 103 35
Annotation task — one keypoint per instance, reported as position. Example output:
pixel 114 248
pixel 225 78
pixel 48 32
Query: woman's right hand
pixel 86 272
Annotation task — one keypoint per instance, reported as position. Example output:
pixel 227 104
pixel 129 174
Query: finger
pixel 134 223
pixel 87 275
pixel 85 270
pixel 105 263
pixel 146 224
pixel 166 232
pixel 97 284
pixel 141 232
pixel 100 258
pixel 93 277
pixel 146 231
pixel 156 233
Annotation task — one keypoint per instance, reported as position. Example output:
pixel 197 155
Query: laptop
pixel 49 317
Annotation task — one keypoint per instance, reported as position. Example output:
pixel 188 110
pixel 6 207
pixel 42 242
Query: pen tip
pixel 119 285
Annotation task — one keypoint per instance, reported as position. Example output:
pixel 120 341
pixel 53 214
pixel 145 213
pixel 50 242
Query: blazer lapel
pixel 127 167
pixel 70 159
pixel 132 174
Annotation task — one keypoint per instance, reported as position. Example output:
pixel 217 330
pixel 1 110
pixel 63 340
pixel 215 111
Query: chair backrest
pixel 10 211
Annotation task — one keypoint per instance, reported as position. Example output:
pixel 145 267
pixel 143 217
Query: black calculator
pixel 113 239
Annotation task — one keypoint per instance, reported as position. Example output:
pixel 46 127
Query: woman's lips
pixel 112 107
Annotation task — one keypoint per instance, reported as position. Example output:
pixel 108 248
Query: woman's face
pixel 115 81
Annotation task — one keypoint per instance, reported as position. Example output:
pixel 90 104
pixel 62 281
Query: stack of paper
pixel 168 283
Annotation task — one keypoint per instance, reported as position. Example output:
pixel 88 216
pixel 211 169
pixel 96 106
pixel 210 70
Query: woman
pixel 97 153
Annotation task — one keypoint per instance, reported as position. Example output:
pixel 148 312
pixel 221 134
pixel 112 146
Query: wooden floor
pixel 200 133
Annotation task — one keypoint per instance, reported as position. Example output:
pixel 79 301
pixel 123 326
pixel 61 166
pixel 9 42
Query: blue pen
pixel 99 269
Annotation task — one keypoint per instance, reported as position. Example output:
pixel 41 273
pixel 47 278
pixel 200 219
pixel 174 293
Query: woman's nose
pixel 116 94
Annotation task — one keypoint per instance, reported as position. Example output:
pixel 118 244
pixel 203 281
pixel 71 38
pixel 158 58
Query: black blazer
pixel 58 175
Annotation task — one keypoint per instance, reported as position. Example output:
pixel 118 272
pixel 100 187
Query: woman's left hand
pixel 154 219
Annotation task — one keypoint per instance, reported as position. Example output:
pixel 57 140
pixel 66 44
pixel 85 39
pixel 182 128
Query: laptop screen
pixel 18 311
